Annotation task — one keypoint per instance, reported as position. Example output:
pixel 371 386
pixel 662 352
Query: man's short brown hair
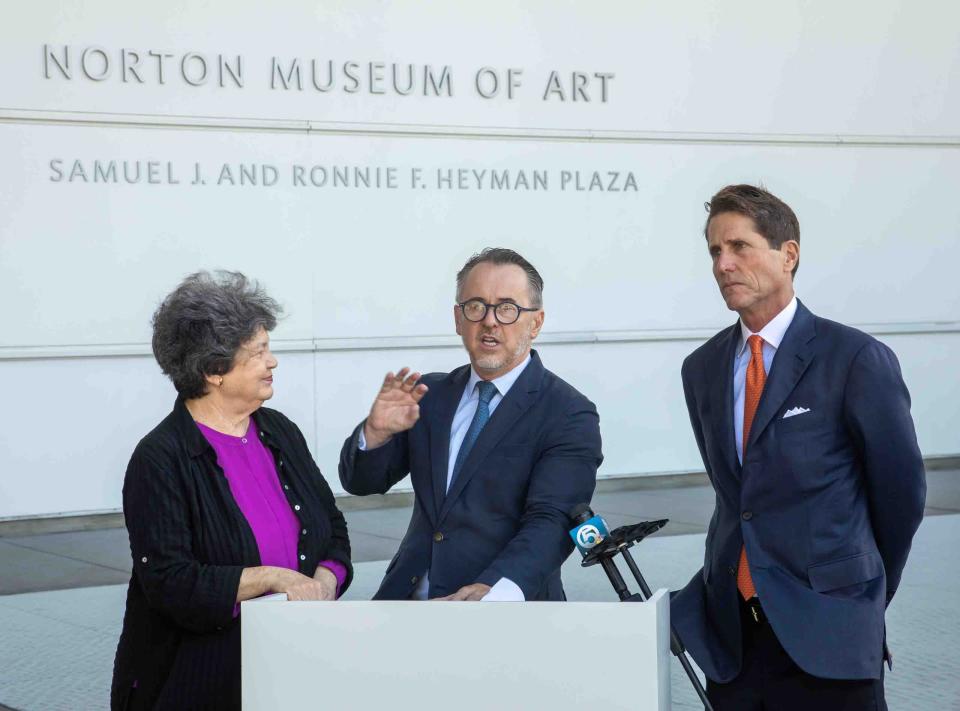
pixel 773 218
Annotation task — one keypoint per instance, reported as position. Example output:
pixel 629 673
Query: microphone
pixel 597 544
pixel 588 532
pixel 589 529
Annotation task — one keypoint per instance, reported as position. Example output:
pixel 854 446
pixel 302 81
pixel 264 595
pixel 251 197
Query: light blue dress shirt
pixel 504 589
pixel 772 335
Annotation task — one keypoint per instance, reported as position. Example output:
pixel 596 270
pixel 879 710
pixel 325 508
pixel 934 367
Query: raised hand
pixel 396 408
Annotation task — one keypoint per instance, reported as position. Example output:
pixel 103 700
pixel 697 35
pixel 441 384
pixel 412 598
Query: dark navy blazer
pixel 826 502
pixel 506 514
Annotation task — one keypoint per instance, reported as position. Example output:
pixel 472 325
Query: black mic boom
pixel 619 540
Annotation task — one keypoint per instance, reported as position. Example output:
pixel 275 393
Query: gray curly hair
pixel 199 327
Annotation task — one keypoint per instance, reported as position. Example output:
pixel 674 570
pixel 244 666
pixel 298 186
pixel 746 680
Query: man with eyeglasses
pixel 498 451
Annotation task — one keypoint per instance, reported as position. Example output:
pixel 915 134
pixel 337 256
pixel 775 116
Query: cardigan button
pixel 437 537
pixel 303 557
pixel 144 559
pixel 303 532
pixel 296 507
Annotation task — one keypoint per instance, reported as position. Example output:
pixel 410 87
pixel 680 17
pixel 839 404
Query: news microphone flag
pixel 589 533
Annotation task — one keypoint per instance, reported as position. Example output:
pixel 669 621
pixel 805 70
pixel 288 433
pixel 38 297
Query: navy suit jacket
pixel 506 514
pixel 826 502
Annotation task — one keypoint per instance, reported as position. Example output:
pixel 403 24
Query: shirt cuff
pixel 505 590
pixel 362 442
pixel 339 571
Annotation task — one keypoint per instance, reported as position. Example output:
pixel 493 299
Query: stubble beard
pixel 494 363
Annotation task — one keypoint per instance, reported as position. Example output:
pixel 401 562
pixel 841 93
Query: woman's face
pixel 251 377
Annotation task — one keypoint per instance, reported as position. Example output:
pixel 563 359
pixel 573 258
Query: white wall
pixel 849 115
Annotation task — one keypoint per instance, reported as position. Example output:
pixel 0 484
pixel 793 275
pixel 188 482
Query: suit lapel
pixel 447 394
pixel 521 396
pixel 722 393
pixel 789 364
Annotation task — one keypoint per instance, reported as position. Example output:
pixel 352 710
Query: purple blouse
pixel 252 475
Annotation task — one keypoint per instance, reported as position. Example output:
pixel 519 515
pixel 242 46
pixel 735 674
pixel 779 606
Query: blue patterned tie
pixel 487 391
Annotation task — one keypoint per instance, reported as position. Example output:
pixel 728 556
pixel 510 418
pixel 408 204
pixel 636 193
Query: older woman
pixel 222 501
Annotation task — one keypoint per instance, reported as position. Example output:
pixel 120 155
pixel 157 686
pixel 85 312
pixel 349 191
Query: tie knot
pixel 487 391
pixel 756 345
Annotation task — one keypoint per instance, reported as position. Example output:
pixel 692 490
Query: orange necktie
pixel 756 379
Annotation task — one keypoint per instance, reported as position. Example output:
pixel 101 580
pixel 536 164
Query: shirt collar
pixel 774 331
pixel 503 383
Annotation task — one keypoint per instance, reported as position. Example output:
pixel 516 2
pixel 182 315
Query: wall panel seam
pixel 376 343
pixel 307 126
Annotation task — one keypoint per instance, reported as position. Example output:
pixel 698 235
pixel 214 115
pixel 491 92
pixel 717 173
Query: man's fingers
pixel 473 592
pixel 468 593
pixel 393 381
pixel 410 381
pixel 387 381
pixel 418 392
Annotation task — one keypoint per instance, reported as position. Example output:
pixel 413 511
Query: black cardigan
pixel 180 644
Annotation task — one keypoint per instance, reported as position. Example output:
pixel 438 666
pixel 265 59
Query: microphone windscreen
pixel 589 533
pixel 580 513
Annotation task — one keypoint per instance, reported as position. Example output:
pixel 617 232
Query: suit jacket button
pixel 731 570
pixel 437 537
pixel 413 580
pixel 746 515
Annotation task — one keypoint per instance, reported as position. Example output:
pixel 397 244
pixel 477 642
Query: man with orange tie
pixel 805 431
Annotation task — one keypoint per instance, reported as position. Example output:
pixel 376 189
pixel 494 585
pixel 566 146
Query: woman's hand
pixel 299 587
pixel 264 579
pixel 326 578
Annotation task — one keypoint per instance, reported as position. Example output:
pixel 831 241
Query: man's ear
pixel 456 318
pixel 791 254
pixel 537 323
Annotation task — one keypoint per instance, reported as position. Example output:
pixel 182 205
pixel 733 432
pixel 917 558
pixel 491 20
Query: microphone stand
pixel 620 540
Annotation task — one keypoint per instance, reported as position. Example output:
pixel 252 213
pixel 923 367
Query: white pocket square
pixel 795 411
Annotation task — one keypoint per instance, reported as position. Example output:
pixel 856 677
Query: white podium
pixel 456 656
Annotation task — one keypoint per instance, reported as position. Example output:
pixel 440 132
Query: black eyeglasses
pixel 506 312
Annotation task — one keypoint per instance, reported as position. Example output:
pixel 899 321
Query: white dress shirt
pixel 504 589
pixel 772 335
